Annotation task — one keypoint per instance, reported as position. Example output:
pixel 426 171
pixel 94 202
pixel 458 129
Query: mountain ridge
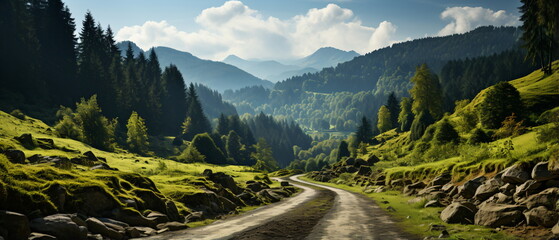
pixel 216 75
pixel 280 70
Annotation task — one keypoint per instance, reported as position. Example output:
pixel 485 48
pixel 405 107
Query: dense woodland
pixel 95 93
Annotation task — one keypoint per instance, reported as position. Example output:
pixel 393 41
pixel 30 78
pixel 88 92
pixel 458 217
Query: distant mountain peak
pixel 233 57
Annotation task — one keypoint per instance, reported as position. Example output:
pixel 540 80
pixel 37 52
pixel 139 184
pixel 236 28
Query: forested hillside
pixel 216 75
pixel 212 102
pixel 337 98
pixel 388 69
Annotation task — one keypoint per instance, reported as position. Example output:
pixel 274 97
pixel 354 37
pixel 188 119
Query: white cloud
pixel 234 28
pixel 464 19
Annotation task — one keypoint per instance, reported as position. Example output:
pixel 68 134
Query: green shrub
pixel 18 114
pixel 550 133
pixel 501 101
pixel 510 128
pixel 420 124
pixel 440 152
pixel 190 155
pixel 446 133
pixel 206 146
pixel 137 134
pixel 67 128
pixel 429 133
pixel 96 129
pixel 479 136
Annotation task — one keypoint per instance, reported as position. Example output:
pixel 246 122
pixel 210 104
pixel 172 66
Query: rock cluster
pixel 93 213
pixel 519 195
pixel 349 165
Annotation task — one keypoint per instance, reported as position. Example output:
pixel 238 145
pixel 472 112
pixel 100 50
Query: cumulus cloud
pixel 464 19
pixel 234 28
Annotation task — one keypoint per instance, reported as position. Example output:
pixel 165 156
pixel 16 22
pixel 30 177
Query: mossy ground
pixel 417 220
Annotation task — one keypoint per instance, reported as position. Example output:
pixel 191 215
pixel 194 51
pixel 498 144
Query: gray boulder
pixel 555 229
pixel 541 172
pixel 499 198
pixel 59 225
pixel 458 213
pixel 364 171
pixel 96 226
pixel 541 216
pixel 441 180
pixel 15 224
pixel 226 181
pixel 146 231
pixel 433 203
pixel 468 190
pixel 132 218
pixel 526 189
pixel 413 188
pixel 497 215
pixel 158 217
pixel 172 226
pixel 15 156
pixel 547 198
pixel 41 236
pixel 172 211
pixel 257 186
pixel 488 189
pixel 508 189
pixel 194 217
pixel 515 174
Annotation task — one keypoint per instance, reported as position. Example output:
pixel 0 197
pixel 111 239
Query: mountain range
pixel 277 71
pixel 215 75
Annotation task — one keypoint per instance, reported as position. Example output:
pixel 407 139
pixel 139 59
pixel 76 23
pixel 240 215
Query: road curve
pixel 227 228
pixel 351 216
pixel 354 216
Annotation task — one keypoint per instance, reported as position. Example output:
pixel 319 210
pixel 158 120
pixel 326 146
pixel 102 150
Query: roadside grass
pixel 474 160
pixel 415 219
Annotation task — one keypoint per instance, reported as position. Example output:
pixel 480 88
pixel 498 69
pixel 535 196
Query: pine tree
pixel 405 118
pixel 222 124
pixel 174 102
pixel 265 160
pixel 19 72
pixel 55 32
pixel 541 26
pixel 343 150
pixel 199 123
pixel 426 92
pixel 394 107
pixel 384 119
pixel 233 146
pixel 137 133
pixel 364 133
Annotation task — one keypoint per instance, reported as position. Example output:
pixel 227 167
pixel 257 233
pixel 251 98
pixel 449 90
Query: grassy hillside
pixel 167 179
pixel 539 94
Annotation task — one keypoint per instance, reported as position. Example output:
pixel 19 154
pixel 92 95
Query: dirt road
pixel 319 212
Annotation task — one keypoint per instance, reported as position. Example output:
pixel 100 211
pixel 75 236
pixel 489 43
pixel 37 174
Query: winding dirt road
pixel 319 212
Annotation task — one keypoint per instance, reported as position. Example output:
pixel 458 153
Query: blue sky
pixel 283 29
